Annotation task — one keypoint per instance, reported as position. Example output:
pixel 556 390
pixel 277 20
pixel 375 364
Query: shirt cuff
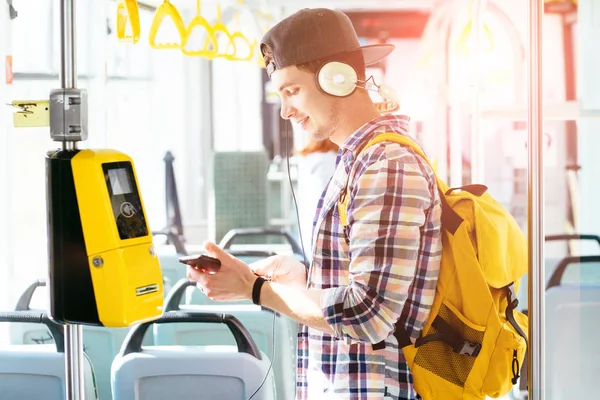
pixel 332 304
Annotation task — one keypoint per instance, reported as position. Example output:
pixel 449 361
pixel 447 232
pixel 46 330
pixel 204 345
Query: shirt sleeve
pixel 387 211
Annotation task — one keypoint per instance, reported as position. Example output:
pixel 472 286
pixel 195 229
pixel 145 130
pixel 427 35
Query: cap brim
pixel 374 53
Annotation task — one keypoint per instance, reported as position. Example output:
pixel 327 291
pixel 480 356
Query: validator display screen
pixel 125 200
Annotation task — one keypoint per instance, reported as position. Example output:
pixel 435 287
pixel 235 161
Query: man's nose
pixel 287 111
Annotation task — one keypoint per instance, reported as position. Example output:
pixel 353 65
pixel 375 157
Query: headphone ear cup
pixel 337 79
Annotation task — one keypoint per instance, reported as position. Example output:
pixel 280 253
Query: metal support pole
pixel 68 79
pixel 68 68
pixel 536 282
pixel 7 159
pixel 74 362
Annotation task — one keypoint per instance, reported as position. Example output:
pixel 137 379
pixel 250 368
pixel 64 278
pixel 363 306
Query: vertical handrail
pixel 174 221
pixel 74 384
pixel 68 68
pixel 173 229
pixel 536 205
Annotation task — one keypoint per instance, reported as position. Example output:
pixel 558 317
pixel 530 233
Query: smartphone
pixel 202 263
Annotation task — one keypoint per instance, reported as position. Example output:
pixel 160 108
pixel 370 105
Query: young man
pixel 379 270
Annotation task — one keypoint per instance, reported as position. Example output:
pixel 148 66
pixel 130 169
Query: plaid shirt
pixel 385 267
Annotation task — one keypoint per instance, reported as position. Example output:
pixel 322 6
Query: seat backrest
pixel 185 373
pixel 205 372
pixel 100 344
pixel 266 331
pixel 262 239
pixel 38 371
pixel 32 372
pixel 25 332
pixel 568 274
pixel 550 265
pixel 572 349
pixel 584 269
pixel 589 242
pixel 275 335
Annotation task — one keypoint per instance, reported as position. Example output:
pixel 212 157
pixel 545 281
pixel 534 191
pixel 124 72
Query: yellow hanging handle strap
pixel 243 39
pixel 211 46
pixel 166 9
pixel 127 11
pixel 386 137
pixel 220 28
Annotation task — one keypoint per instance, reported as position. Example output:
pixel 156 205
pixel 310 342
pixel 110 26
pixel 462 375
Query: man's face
pixel 302 102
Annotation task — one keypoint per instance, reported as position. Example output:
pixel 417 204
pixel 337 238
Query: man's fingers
pixel 194 274
pixel 265 266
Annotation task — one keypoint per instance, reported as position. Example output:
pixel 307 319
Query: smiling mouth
pixel 303 122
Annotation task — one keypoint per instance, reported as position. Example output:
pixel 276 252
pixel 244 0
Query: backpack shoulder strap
pixel 450 219
pixel 397 138
pixel 382 137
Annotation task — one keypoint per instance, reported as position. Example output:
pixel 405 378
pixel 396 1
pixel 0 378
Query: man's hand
pixel 286 293
pixel 233 281
pixel 285 270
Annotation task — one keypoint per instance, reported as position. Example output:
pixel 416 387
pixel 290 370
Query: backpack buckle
pixel 467 348
pixel 513 300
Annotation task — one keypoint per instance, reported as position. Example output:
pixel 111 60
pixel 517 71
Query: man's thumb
pixel 215 251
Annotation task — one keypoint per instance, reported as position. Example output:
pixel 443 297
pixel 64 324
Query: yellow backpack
pixel 474 341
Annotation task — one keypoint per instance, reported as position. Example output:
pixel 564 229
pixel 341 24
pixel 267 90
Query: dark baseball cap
pixel 316 34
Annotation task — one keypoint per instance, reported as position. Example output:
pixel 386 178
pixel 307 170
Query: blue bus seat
pixel 205 372
pixel 551 263
pixel 38 372
pixel 579 271
pixel 572 348
pixel 25 332
pixel 279 342
pixel 258 321
pixel 100 344
pixel 290 245
pixel 572 299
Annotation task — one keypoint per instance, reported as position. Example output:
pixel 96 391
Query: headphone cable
pixel 272 357
pixel 287 159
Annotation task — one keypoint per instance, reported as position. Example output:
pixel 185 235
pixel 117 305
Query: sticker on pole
pixel 9 70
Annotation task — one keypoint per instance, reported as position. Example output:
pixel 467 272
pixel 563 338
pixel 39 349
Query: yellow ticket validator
pixel 103 268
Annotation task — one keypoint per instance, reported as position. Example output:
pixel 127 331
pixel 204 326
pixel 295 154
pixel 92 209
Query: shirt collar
pixel 384 123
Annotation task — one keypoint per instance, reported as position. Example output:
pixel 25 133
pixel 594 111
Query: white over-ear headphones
pixel 337 79
pixel 340 79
